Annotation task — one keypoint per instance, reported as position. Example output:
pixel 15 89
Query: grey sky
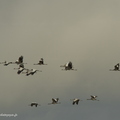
pixel 85 32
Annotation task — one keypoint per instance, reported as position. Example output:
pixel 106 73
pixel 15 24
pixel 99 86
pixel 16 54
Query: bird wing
pixel 92 96
pixel 20 59
pixel 73 102
pixel 53 100
pixel 77 102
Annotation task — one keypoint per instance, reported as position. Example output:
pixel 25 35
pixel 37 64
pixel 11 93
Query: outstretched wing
pixel 73 102
pixel 21 65
pixel 77 102
pixel 20 59
pixel 53 100
pixel 70 65
pixel 92 96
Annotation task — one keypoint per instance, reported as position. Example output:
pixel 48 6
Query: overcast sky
pixel 86 32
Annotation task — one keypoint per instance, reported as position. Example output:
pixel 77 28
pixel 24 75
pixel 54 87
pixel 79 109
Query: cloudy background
pixel 85 32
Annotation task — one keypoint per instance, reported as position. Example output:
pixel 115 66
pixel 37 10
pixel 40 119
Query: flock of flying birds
pixel 21 68
pixel 56 101
pixel 67 66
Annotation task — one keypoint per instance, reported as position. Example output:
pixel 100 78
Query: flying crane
pixel 54 101
pixel 31 71
pixel 6 63
pixel 41 62
pixel 93 97
pixel 20 60
pixel 20 69
pixel 68 66
pixel 116 67
pixel 34 104
pixel 76 101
